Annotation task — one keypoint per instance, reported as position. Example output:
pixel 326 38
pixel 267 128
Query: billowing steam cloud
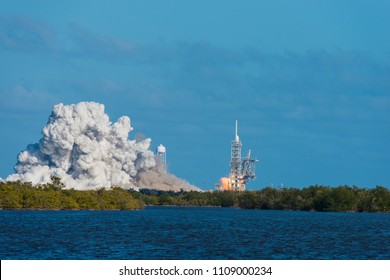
pixel 87 151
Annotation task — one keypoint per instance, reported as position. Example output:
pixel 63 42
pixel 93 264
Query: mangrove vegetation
pixel 312 198
pixel 20 195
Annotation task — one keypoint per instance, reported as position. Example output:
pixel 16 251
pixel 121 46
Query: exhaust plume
pixel 87 151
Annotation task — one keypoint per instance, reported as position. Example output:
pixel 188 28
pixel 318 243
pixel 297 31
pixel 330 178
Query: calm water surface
pixel 193 233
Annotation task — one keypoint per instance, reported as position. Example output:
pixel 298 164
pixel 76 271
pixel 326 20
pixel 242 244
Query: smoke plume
pixel 87 151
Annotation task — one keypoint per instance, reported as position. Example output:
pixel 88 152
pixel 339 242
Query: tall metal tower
pixel 235 162
pixel 241 169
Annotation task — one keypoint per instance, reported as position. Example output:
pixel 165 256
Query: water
pixel 193 233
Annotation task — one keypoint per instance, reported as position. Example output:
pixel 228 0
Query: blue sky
pixel 308 81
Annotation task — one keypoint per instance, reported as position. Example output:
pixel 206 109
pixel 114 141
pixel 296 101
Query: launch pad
pixel 241 169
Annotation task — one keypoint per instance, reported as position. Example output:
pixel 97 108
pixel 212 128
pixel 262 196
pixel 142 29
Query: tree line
pixel 312 198
pixel 21 195
pixel 53 195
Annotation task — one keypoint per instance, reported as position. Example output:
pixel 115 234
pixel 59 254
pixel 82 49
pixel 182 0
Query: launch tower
pixel 241 169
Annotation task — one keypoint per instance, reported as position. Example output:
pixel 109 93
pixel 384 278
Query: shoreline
pixel 184 206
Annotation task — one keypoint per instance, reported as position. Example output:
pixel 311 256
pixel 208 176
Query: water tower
pixel 161 152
